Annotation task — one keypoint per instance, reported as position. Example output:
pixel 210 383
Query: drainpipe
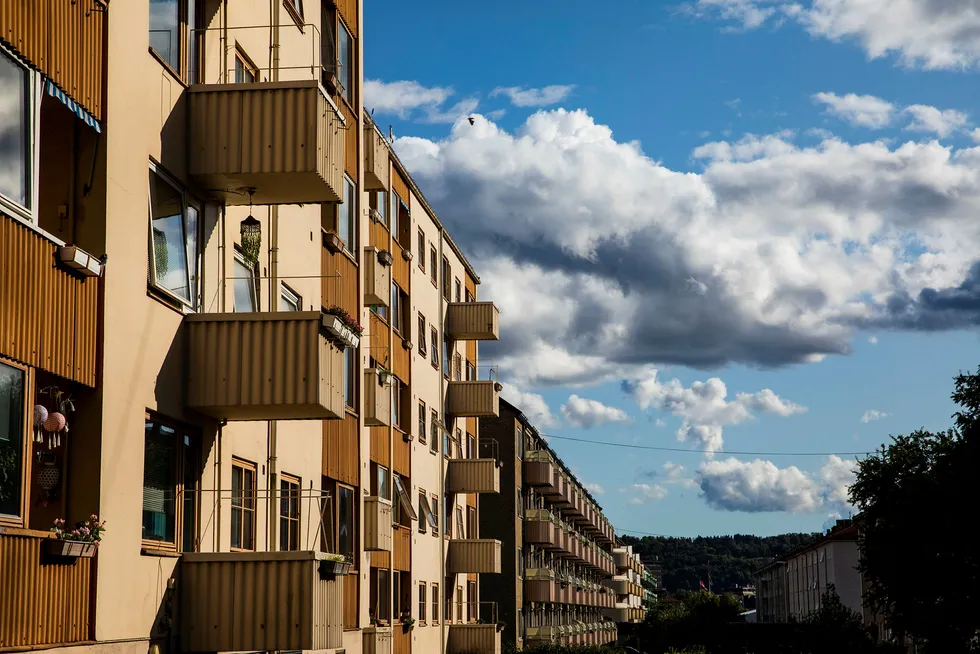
pixel 442 440
pixel 273 472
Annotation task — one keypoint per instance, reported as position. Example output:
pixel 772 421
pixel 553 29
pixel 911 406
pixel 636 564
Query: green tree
pixel 917 497
pixel 835 627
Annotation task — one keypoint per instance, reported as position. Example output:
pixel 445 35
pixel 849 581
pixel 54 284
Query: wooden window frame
pixel 436 603
pixel 433 431
pixel 33 99
pixel 469 296
pixel 26 440
pixel 447 275
pixel 434 346
pixel 434 264
pixel 245 466
pixel 457 291
pixel 460 523
pixel 423 343
pixel 459 604
pixel 423 500
pixel 185 44
pixel 354 520
pixel 423 424
pixel 472 602
pixel 457 366
pixel 248 66
pixel 421 250
pixel 471 523
pixel 181 431
pixel 423 601
pixel 292 481
pixel 434 508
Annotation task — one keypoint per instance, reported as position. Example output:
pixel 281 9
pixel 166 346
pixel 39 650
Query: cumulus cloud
pixel 704 406
pixel 644 493
pixel 410 99
pixel 531 405
pixel 837 475
pixel 924 33
pixel 595 489
pixel 531 97
pixel 940 122
pixel 873 414
pixel 860 110
pixel 586 413
pixel 793 247
pixel 873 340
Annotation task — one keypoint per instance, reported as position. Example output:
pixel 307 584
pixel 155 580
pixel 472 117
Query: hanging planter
pixel 342 326
pixel 407 254
pixel 69 548
pixel 332 242
pixel 334 565
pixel 406 344
pixel 385 258
pixel 80 261
pixel 385 378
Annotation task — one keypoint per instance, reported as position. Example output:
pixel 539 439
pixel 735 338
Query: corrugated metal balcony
pixel 539 471
pixel 540 586
pixel 283 139
pixel 263 366
pixel 377 279
pixel 538 634
pixel 540 529
pixel 473 639
pixel 377 524
pixel 377 171
pixel 473 399
pixel 473 476
pixel 377 640
pixel 472 321
pixel 233 601
pixel 621 558
pixel 478 556
pixel 377 400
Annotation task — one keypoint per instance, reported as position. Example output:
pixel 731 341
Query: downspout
pixel 442 438
pixel 273 472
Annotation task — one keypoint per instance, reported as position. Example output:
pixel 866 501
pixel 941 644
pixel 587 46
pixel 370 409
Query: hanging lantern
pixel 40 417
pixel 251 230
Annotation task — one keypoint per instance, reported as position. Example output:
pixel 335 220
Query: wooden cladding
pixel 472 321
pixel 473 639
pixel 400 186
pixel 348 11
pixel 473 476
pixel 379 235
pixel 48 316
pixel 402 548
pixel 376 640
pixel 478 399
pixel 377 175
pixel 401 641
pixel 259 601
pixel 64 40
pixel 380 439
pixel 341 450
pixel 378 339
pixel 402 454
pixel 43 601
pixel 402 272
pixel 479 555
pixel 377 400
pixel 339 284
pixel 377 279
pixel 350 140
pixel 263 366
pixel 281 138
pixel 402 358
pixel 351 605
pixel 377 523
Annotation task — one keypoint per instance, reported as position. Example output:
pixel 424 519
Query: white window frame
pixel 240 258
pixel 34 86
pixel 187 199
pixel 290 296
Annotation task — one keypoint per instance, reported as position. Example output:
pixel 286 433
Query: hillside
pixel 733 558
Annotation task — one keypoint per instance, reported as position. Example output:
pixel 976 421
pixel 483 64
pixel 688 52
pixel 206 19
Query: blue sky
pixel 779 196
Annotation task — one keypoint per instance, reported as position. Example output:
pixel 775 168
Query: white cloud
pixel 595 489
pixel 794 248
pixel 860 110
pixel 837 475
pixel 644 493
pixel 402 97
pixel 873 340
pixel 461 109
pixel 929 34
pixel 704 408
pixel 675 473
pixel 531 405
pixel 660 422
pixel 942 123
pixel 873 414
pixel 531 97
pixel 586 413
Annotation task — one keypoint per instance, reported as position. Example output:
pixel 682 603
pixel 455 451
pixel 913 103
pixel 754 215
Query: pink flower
pixel 93 518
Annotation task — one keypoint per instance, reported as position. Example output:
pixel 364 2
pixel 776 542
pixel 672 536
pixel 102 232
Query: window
pixel 346 526
pixel 459 603
pixel 422 250
pixel 289 300
pixel 380 595
pixel 433 431
pixel 520 504
pixel 470 297
pixel 433 266
pixel 435 603
pixel 12 383
pixel 447 516
pixel 289 496
pixel 519 442
pixel 470 446
pixel 380 481
pixel 246 285
pixel 460 531
pixel 399 397
pixel 381 312
pixel 447 275
pixel 174 234
pixel 396 308
pixel 296 5
pixel 395 202
pixel 421 421
pixel 242 505
pixel 520 563
pixel 422 601
pixel 447 614
pixel 458 442
pixel 379 202
pixel 19 97
pixel 421 335
pixel 350 377
pixel 170 472
pixel 424 510
pixel 457 367
pixel 434 342
pixel 457 297
pixel 445 358
pixel 471 528
pixel 472 603
pixel 402 509
pixel 172 35
pixel 345 67
pixel 245 71
pixel 434 508
pixel 447 443
pixel 347 217
pixel 396 600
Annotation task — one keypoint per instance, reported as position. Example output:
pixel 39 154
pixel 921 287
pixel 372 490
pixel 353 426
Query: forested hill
pixel 733 558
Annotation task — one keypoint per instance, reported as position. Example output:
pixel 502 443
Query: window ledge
pixel 171 303
pixel 167 67
pixel 166 554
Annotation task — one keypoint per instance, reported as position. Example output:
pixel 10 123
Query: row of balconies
pixel 543 585
pixel 544 529
pixel 621 586
pixel 588 633
pixel 625 613
pixel 546 476
pixel 626 560
pixel 465 638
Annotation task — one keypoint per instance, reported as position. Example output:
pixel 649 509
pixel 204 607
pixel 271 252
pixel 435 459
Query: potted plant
pixel 500 625
pixel 80 542
pixel 385 378
pixel 332 242
pixel 385 258
pixel 333 565
pixel 407 254
pixel 408 622
pixel 343 326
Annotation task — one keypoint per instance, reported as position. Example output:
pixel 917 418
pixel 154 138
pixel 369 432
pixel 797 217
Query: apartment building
pixel 211 336
pixel 558 573
pixel 627 583
pixel 651 584
pixel 791 587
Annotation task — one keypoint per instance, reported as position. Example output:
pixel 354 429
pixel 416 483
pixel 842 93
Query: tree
pixel 692 620
pixel 919 557
pixel 835 627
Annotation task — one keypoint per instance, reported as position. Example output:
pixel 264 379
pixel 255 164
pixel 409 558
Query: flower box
pixel 332 242
pixel 341 331
pixel 74 549
pixel 77 259
pixel 330 568
pixel 385 258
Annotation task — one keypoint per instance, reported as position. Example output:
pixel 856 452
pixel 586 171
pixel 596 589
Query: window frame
pixel 434 264
pixel 423 601
pixel 296 299
pixel 422 422
pixel 287 480
pixel 353 526
pixel 436 604
pixel 433 431
pixel 345 73
pixel 349 236
pixel 23 483
pixel 186 45
pixel 188 199
pixel 248 66
pixel 247 493
pixel 434 509
pixel 35 84
pixel 460 523
pixel 457 291
pixel 351 370
pixel 447 275
pixel 434 346
pixel 182 434
pixel 240 259
pixel 421 250
pixel 423 346
pixel 397 309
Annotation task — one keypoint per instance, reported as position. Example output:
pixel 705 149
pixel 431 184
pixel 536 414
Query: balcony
pixel 472 321
pixel 377 279
pixel 377 400
pixel 233 601
pixel 473 639
pixel 540 529
pixel 44 601
pixel 377 640
pixel 473 476
pixel 539 471
pixel 285 140
pixel 542 634
pixel 475 556
pixel 263 366
pixel 473 399
pixel 377 171
pixel 540 586
pixel 377 524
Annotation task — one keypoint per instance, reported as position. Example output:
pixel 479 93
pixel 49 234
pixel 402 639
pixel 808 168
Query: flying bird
pixel 472 120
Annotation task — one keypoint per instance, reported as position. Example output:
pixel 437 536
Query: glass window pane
pixel 164 37
pixel 11 438
pixel 15 99
pixel 383 488
pixel 169 246
pixel 190 246
pixel 349 231
pixel 190 495
pixel 159 482
pixel 345 513
pixel 289 300
pixel 246 299
pixel 344 63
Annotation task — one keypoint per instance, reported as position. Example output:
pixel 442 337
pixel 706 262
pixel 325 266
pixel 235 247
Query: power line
pixel 690 451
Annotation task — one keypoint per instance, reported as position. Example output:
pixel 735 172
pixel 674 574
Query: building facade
pixel 560 580
pixel 791 587
pixel 233 329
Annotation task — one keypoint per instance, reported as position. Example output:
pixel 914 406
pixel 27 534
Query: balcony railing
pixel 263 366
pixel 473 476
pixel 377 640
pixel 482 637
pixel 377 173
pixel 479 556
pixel 539 471
pixel 377 278
pixel 377 399
pixel 472 321
pixel 377 524
pixel 473 399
